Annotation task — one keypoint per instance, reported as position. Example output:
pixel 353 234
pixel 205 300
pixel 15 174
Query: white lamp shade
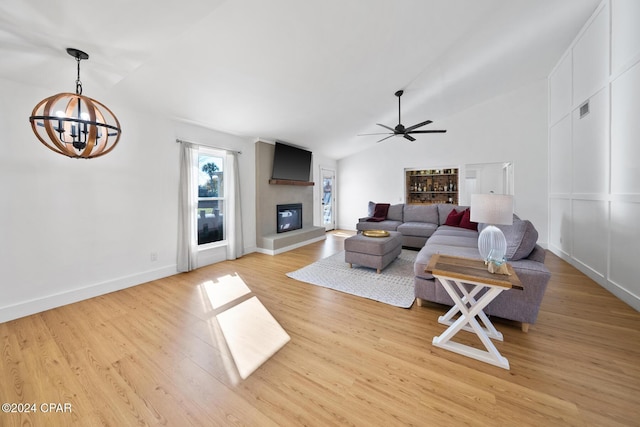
pixel 492 209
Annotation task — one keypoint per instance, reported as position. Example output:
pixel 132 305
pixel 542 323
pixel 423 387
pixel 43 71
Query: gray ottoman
pixel 373 252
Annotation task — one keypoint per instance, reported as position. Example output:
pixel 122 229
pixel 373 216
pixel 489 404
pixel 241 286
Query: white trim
pixel 217 153
pixel 60 299
pixel 199 144
pixel 623 294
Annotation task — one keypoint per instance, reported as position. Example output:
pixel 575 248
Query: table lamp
pixel 492 209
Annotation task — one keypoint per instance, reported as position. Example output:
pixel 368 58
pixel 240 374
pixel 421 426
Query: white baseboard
pixel 48 302
pixel 616 289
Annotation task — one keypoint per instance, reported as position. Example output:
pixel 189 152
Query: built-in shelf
pixel 427 186
pixel 290 182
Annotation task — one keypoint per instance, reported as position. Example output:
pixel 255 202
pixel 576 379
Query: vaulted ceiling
pixel 315 73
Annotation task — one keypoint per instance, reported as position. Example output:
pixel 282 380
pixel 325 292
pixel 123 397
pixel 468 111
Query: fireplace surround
pixel 268 195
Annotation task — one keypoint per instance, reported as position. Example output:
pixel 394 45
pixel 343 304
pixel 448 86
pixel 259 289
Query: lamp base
pixel 492 244
pixel 494 268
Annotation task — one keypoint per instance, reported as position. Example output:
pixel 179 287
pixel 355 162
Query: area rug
pixel 394 285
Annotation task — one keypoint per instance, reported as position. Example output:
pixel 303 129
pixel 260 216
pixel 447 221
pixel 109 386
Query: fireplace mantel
pixel 290 182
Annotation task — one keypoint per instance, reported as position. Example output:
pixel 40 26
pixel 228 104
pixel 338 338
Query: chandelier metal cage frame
pixel 74 125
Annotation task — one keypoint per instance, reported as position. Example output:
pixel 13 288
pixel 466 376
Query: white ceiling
pixel 315 73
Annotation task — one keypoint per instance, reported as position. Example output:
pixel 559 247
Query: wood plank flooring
pixel 154 355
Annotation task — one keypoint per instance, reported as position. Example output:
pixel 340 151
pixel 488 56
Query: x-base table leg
pixel 469 307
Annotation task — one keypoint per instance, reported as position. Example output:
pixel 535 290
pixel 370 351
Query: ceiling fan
pixel 400 130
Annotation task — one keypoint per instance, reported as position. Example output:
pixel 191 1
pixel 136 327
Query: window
pixel 211 196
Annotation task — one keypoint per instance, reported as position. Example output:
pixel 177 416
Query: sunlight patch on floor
pixel 225 290
pixel 242 326
pixel 252 334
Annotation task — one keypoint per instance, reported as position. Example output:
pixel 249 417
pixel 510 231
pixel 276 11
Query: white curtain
pixel 187 202
pixel 235 245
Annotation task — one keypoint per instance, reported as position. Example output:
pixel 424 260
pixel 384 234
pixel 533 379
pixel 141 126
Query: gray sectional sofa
pixel 416 223
pixel 423 227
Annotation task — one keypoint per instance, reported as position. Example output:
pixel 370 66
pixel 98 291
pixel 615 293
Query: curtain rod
pixel 179 141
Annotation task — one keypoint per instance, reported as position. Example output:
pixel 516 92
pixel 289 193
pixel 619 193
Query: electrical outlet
pixel 154 256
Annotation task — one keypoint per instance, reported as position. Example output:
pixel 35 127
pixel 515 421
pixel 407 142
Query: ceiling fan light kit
pixel 400 130
pixel 74 125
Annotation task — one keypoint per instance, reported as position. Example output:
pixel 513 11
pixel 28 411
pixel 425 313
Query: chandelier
pixel 74 125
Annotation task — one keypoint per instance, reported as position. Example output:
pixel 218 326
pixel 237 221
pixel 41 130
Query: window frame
pixel 212 152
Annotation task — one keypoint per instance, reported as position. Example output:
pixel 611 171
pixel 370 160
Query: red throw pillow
pixel 466 222
pixel 454 218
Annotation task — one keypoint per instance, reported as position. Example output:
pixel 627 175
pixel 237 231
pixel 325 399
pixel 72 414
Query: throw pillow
pixel 444 209
pixel 465 221
pixel 482 225
pixel 454 218
pixel 371 208
pixel 379 212
pixel 521 239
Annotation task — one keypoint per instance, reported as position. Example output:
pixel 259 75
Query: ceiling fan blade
pixel 428 131
pixel 386 138
pixel 367 134
pixel 409 137
pixel 386 127
pixel 419 125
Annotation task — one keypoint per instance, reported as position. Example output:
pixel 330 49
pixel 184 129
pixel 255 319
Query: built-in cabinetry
pixel 426 186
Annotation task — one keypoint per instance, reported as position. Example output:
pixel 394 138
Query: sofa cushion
pixel 537 254
pixel 382 225
pixel 466 222
pixel 421 229
pixel 444 209
pixel 521 239
pixel 421 213
pixel 395 212
pixel 458 241
pixel 447 230
pixel 450 241
pixel 454 218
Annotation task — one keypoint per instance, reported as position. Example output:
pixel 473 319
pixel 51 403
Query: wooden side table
pixel 463 279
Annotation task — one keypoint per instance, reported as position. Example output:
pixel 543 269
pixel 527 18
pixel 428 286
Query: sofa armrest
pixel 537 254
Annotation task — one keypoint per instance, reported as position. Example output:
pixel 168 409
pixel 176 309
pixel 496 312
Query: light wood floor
pixel 152 355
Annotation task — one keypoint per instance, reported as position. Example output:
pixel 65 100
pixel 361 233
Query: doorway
pixel 327 195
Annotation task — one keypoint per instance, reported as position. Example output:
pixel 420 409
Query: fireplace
pixel 289 217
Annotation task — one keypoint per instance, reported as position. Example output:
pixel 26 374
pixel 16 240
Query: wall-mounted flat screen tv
pixel 291 163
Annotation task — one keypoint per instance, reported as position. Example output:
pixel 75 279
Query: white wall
pixel 594 178
pixel 72 229
pixel 509 127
